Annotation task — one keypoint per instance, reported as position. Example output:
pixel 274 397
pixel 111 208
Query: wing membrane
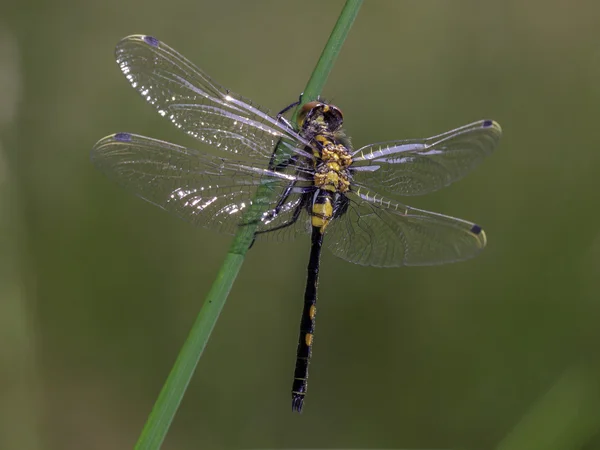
pixel 415 167
pixel 382 233
pixel 197 105
pixel 205 190
pixel 221 194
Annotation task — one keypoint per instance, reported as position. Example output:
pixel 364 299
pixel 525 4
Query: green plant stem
pixel 330 52
pixel 163 412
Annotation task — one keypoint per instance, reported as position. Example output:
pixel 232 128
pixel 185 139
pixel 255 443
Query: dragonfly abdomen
pixel 322 210
pixel 320 125
pixel 307 323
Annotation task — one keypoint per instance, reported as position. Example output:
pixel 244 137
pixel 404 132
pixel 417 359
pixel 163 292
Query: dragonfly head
pixel 320 117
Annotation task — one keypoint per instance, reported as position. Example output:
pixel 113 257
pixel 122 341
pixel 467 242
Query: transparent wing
pixel 415 167
pixel 197 105
pixel 382 233
pixel 205 190
pixel 282 227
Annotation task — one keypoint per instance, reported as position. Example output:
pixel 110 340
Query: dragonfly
pixel 290 179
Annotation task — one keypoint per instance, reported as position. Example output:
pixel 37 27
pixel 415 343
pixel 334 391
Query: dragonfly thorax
pixel 333 160
pixel 321 125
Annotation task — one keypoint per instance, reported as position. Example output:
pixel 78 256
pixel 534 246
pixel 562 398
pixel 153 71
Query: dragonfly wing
pixel 415 167
pixel 197 105
pixel 205 190
pixel 283 227
pixel 383 233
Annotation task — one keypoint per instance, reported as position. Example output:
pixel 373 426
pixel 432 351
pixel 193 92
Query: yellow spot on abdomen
pixel 321 214
pixel 308 339
pixel 312 312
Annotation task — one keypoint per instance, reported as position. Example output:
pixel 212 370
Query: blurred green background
pixel 99 289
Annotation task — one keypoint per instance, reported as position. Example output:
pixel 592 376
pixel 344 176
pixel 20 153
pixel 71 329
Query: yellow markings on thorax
pixel 332 174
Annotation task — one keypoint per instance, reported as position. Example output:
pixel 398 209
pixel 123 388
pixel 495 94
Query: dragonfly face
pixel 320 187
pixel 317 118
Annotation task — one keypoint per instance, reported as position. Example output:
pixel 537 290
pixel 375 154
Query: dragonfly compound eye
pixel 333 117
pixel 320 116
pixel 306 113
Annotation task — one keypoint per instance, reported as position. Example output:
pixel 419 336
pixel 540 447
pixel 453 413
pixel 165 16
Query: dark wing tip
pixel 479 234
pixel 107 142
pixel 122 137
pixel 150 40
pixel 476 229
pixel 297 402
pixel 125 44
pixel 489 124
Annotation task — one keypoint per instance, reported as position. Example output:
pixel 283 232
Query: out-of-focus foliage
pixel 99 288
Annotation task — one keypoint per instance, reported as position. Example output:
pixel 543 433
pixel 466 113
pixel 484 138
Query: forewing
pixel 196 104
pixel 286 225
pixel 415 167
pixel 382 233
pixel 205 190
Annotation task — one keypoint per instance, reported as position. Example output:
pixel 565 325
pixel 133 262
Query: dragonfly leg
pixel 285 224
pixel 290 106
pixel 280 114
pixel 290 187
pixel 282 199
pixel 281 165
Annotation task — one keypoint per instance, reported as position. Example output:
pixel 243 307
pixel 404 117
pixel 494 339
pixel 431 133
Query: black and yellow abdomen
pixel 320 124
